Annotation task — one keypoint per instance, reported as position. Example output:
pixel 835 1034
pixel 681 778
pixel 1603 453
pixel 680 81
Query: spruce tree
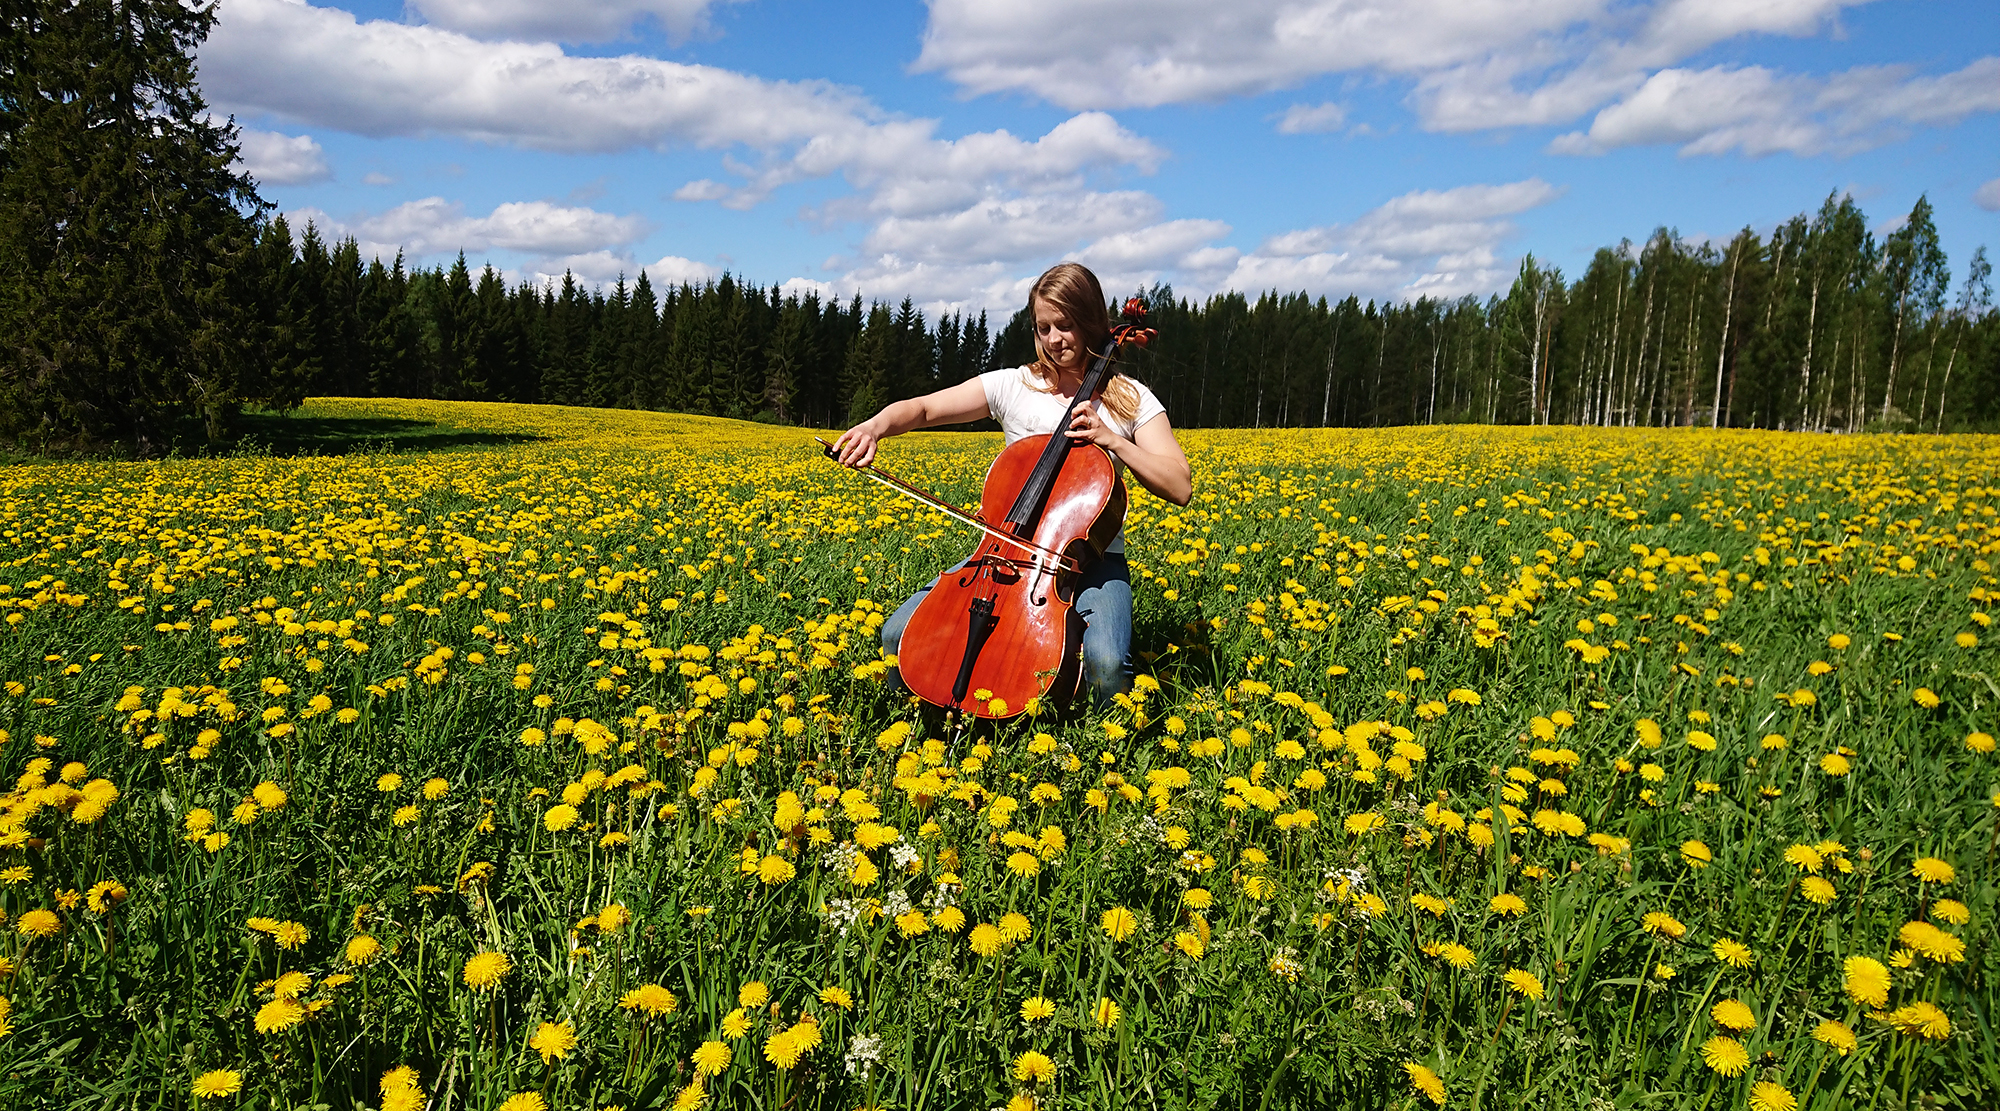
pixel 126 241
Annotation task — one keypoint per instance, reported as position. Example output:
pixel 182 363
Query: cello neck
pixel 1035 491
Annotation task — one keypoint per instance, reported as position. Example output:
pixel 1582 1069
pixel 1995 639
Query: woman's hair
pixel 1071 287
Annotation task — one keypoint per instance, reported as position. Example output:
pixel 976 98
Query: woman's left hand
pixel 1085 426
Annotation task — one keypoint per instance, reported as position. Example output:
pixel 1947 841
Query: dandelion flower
pixel 1932 942
pixel 1725 1055
pixel 217 1083
pixel 1196 898
pixel 1425 1082
pixel 524 1101
pixel 1105 1013
pixel 1190 943
pixel 1932 870
pixel 1922 1019
pixel 1024 864
pixel 1866 981
pixel 1508 904
pixel 1522 982
pixel 1014 926
pixel 1952 911
pixel 1817 890
pixel 1660 922
pixel 1836 1035
pixel 553 1040
pixel 783 1050
pixel 987 939
pixel 1979 742
pixel 1032 1067
pixel 39 922
pixel 1805 858
pixel 280 1015
pixel 560 817
pixel 735 1024
pixel 1118 923
pixel 291 985
pixel 774 870
pixel 1732 952
pixel 484 970
pixel 650 998
pixel 837 997
pixel 1767 1095
pixel 1733 1014
pixel 1696 854
pixel 1035 1008
pixel 711 1057
pixel 753 994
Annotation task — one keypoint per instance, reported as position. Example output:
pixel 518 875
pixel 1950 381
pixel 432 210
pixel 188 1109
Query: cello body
pixel 1002 624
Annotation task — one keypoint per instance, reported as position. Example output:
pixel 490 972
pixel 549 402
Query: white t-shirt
pixel 1023 410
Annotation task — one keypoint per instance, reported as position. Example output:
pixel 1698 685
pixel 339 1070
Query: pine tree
pixel 126 242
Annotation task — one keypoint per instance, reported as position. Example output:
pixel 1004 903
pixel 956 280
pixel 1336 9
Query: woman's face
pixel 1056 333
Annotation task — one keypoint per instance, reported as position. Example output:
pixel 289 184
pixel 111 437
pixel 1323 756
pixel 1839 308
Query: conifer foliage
pixel 128 278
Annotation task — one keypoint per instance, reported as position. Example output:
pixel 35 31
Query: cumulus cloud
pixel 1302 119
pixel 1987 196
pixel 564 20
pixel 1095 54
pixel 1435 243
pixel 550 237
pixel 1427 243
pixel 1757 111
pixel 1470 65
pixel 323 67
pixel 272 158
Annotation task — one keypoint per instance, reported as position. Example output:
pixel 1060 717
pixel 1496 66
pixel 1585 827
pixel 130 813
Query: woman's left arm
pixel 1153 454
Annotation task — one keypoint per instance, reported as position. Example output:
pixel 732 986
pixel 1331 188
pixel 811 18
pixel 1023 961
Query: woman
pixel 1071 322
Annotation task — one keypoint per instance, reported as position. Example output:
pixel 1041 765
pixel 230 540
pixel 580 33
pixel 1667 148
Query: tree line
pixel 1819 326
pixel 145 284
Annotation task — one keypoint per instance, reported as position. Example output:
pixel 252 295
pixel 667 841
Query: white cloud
pixel 1758 111
pixel 1097 54
pixel 323 67
pixel 1987 196
pixel 1470 65
pixel 673 270
pixel 1302 119
pixel 376 177
pixel 275 159
pixel 1435 243
pixel 564 20
pixel 553 237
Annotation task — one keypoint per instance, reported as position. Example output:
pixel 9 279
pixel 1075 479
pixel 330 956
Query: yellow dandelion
pixel 1835 1035
pixel 1105 1013
pixel 1733 1014
pixel 1118 923
pixel 1033 1067
pixel 1767 1095
pixel 485 970
pixel 1725 1055
pixel 553 1040
pixel 711 1057
pixel 217 1083
pixel 1425 1082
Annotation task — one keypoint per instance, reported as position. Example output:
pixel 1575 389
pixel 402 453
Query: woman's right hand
pixel 857 445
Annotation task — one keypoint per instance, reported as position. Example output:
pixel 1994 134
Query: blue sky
pixel 951 151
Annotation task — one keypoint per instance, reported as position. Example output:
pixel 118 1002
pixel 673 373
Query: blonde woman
pixel 1125 419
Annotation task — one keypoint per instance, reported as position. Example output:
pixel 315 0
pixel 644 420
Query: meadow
pixel 554 769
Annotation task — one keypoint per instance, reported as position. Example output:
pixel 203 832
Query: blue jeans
pixel 1103 600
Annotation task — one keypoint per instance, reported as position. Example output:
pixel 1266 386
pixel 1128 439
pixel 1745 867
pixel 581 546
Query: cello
pixel 997 634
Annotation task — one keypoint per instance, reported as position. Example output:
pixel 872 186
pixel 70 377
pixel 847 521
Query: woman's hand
pixel 857 445
pixel 1085 426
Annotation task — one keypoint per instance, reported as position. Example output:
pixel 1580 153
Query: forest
pixel 1819 325
pixel 146 289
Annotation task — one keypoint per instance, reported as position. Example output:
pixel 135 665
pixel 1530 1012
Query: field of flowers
pixel 1468 767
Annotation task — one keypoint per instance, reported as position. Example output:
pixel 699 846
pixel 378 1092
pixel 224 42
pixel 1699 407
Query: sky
pixel 949 152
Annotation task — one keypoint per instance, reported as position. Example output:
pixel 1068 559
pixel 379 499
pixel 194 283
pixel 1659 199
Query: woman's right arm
pixel 951 405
